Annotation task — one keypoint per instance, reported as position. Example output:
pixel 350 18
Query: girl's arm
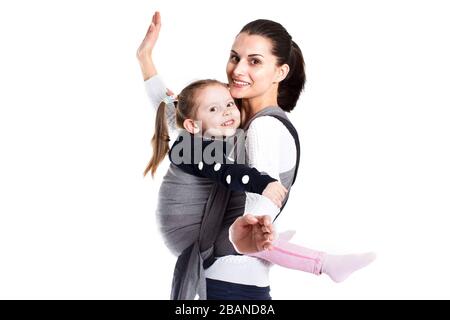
pixel 154 85
pixel 144 52
pixel 236 177
pixel 157 92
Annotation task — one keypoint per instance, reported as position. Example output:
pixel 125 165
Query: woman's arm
pixel 251 234
pixel 266 151
pixel 154 86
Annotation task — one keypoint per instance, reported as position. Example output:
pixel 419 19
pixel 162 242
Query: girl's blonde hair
pixel 185 108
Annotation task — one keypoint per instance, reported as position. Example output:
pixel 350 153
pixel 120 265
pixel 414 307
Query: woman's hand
pixel 276 192
pixel 144 52
pixel 250 234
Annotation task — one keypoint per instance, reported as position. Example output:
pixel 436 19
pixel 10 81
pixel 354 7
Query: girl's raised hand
pixel 150 38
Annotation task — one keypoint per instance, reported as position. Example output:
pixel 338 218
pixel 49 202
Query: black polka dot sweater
pixel 207 159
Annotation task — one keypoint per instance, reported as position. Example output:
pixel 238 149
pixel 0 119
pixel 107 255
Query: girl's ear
pixel 191 126
pixel 282 72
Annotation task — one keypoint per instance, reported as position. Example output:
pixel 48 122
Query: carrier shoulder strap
pixel 288 124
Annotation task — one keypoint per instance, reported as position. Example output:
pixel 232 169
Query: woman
pixel 266 75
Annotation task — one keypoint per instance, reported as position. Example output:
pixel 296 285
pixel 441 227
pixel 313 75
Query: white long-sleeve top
pixel 270 148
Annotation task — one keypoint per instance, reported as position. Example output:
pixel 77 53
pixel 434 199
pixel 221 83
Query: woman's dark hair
pixel 286 51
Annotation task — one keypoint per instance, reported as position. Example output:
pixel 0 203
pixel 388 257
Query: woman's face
pixel 252 68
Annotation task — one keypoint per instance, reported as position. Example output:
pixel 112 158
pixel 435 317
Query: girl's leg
pixel 339 267
pixel 292 256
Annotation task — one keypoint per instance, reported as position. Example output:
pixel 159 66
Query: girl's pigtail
pixel 160 140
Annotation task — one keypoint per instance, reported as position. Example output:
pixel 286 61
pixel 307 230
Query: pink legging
pixel 292 256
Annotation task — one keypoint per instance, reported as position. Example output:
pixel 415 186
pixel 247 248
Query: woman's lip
pixel 239 83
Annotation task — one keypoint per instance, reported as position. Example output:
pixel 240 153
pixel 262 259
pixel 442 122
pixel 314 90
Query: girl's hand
pixel 144 52
pixel 149 41
pixel 276 192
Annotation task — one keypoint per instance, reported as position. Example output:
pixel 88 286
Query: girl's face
pixel 217 111
pixel 252 68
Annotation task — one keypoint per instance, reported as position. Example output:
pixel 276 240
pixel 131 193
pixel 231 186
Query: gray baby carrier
pixel 198 233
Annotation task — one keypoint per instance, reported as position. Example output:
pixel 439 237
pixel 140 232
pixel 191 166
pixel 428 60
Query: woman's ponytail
pixel 290 88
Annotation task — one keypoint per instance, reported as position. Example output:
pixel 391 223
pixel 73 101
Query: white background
pixel 76 215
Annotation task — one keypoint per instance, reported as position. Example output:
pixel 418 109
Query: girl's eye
pixel 213 109
pixel 230 104
pixel 255 61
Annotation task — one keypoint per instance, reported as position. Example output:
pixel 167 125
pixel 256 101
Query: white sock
pixel 339 267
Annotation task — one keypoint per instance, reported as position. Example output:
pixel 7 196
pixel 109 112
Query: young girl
pixel 216 116
pixel 206 111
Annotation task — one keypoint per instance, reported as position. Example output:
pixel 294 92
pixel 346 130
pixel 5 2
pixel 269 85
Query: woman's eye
pixel 212 109
pixel 255 61
pixel 234 59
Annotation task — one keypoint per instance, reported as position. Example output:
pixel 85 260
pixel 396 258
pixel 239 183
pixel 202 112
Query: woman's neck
pixel 251 106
